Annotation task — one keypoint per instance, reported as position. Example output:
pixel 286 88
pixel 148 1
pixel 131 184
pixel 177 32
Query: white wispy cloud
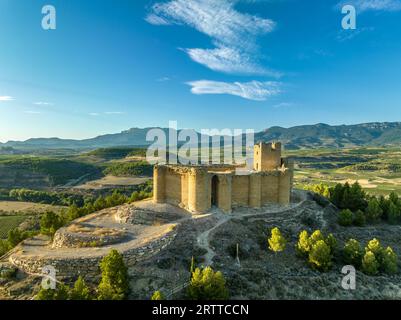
pixel 32 112
pixel 156 20
pixel 233 33
pixel 114 112
pixel 254 90
pixel 43 103
pixel 373 5
pixel 229 60
pixel 6 98
pixel 345 35
pixel 284 105
pixel 96 114
pixel 163 79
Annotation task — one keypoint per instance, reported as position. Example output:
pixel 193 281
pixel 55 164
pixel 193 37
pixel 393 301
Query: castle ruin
pixel 199 188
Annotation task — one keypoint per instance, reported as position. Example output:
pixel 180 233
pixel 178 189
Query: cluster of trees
pixel 124 169
pixel 318 249
pixel 50 222
pixel 207 284
pixel 54 198
pixel 118 152
pixel 373 259
pixel 114 283
pixel 320 252
pixel 14 237
pixel 359 207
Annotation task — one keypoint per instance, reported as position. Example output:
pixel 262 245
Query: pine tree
pixel 315 237
pixel 157 295
pixel 394 213
pixel 331 241
pixel 359 218
pixel 385 206
pixel 80 291
pixel 374 212
pixel 375 247
pixel 370 265
pixel 320 256
pixel 114 284
pixel 60 293
pixel 389 264
pixel 353 253
pixel 346 201
pixel 345 218
pixel 303 246
pixel 277 242
pixel 393 197
pixel 357 197
pixel 207 285
pixel 336 194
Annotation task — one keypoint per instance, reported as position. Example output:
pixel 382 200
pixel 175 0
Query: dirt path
pixel 203 238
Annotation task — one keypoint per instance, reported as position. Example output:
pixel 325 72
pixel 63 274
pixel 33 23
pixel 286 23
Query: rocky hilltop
pixel 173 237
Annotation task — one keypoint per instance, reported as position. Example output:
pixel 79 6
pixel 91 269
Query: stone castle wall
pixel 191 187
pixel 88 267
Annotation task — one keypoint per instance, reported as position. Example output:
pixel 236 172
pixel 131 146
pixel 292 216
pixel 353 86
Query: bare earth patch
pixel 110 181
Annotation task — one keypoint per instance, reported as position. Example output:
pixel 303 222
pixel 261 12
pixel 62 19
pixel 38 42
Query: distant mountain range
pixel 306 136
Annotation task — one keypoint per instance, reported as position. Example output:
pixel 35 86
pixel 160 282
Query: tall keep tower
pixel 267 156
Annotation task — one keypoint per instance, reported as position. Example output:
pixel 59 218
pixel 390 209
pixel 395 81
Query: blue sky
pixel 115 64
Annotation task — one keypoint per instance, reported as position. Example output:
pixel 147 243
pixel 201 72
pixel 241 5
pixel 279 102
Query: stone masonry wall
pixel 89 267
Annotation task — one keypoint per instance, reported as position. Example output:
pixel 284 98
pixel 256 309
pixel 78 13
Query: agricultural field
pixel 8 223
pixel 14 213
pixel 110 181
pixel 378 170
pixel 27 208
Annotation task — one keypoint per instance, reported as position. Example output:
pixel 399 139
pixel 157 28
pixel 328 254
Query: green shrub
pixel 331 241
pixel 60 293
pixel 276 242
pixel 50 223
pixel 80 291
pixel 303 246
pixel 315 237
pixel 126 169
pixel 393 197
pixel 157 295
pixel 373 212
pixel 394 213
pixel 348 197
pixel 114 284
pixel 359 218
pixel 320 256
pixel 207 285
pixel 375 247
pixel 370 265
pixel 345 218
pixel 353 253
pixel 389 263
pixel 384 205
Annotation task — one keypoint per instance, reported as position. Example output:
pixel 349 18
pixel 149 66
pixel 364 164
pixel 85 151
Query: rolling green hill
pixel 24 171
